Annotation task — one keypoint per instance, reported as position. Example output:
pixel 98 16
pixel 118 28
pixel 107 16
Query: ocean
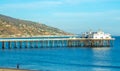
pixel 63 58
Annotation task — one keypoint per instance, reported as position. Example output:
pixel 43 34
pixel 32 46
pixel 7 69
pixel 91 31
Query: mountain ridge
pixel 12 27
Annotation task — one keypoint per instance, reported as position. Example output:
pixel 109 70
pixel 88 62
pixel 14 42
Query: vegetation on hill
pixel 12 27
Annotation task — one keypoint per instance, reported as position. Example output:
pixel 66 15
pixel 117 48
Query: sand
pixel 5 69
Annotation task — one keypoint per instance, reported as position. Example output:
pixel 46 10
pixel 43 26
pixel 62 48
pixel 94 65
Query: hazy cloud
pixel 73 14
pixel 112 15
pixel 39 4
pixel 44 4
pixel 86 1
pixel 117 18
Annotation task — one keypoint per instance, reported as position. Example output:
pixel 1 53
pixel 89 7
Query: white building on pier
pixel 96 35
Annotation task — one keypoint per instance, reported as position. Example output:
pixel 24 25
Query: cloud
pixel 111 12
pixel 117 18
pixel 76 14
pixel 78 1
pixel 30 5
pixel 104 15
pixel 87 1
pixel 46 4
pixel 75 2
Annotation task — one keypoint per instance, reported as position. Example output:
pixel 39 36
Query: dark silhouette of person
pixel 17 66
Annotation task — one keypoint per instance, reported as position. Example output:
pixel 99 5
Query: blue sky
pixel 74 16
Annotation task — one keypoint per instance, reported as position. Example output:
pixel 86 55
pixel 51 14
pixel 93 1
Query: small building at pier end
pixel 97 39
pixel 96 35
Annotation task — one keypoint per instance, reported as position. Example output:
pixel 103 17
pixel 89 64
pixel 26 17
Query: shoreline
pixel 14 69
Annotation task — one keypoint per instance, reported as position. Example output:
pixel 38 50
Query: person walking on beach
pixel 17 66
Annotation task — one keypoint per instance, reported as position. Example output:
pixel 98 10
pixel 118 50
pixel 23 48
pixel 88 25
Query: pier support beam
pixel 3 45
pixel 26 44
pixel 31 44
pixel 9 45
pixel 47 43
pixel 20 44
pixel 15 44
pixel 36 44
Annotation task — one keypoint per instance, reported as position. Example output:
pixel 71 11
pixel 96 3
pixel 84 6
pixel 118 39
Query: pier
pixel 27 43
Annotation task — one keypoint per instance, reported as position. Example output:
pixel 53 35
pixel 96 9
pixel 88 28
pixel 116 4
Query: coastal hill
pixel 12 27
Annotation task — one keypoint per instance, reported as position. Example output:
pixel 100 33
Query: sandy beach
pixel 8 69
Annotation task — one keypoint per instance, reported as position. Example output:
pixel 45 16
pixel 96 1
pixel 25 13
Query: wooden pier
pixel 19 43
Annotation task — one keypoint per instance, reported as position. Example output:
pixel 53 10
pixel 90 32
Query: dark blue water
pixel 64 59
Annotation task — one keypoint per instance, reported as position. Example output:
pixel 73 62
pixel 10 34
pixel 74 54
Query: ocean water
pixel 64 59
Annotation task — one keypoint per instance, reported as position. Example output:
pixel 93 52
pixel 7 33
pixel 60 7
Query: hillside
pixel 12 27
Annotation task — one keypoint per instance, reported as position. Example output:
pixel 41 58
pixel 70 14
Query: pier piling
pixel 3 45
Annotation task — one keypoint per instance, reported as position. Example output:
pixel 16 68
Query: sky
pixel 75 16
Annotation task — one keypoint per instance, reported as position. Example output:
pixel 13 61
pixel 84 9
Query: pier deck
pixel 7 43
